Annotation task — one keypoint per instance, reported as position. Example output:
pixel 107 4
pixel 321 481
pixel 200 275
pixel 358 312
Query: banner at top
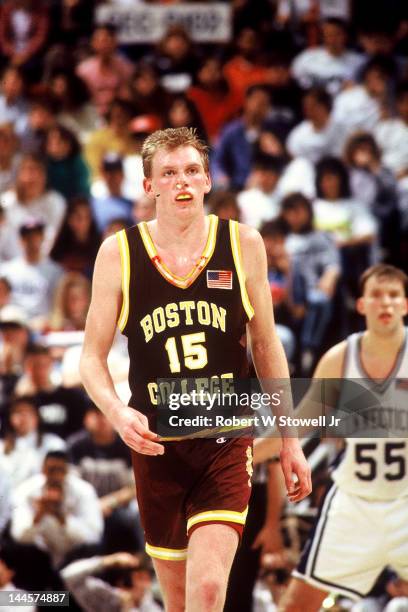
pixel 206 23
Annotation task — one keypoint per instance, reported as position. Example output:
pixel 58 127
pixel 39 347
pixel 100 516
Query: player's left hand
pixel 269 540
pixel 296 470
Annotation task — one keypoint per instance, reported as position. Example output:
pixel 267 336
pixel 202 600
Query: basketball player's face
pixel 178 181
pixel 384 304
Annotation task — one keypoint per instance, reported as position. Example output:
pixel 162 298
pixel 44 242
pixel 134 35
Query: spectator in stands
pixel 9 157
pixel 24 26
pixel 375 186
pixel 183 112
pixel 102 460
pixel 71 303
pixel 248 65
pixel 391 133
pixel 145 91
pixel 106 70
pixel 23 449
pixel 13 102
pixel 274 235
pixel 286 95
pixel 61 409
pixel 317 135
pixel 78 240
pixel 330 65
pixel 75 109
pixel 30 199
pixel 214 98
pixel 33 276
pixel 350 223
pixel 315 270
pixel 260 201
pixel 176 59
pixel 67 171
pixel 129 588
pixel 114 204
pixel 15 336
pixel 113 138
pixel 56 511
pixel 360 107
pixel 41 118
pixel 378 37
pixel 224 204
pixel 234 151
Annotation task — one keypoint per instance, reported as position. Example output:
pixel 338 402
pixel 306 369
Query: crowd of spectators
pixel 305 112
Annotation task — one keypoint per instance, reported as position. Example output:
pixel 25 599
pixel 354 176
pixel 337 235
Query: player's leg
pixel 211 551
pixel 172 580
pixel 301 597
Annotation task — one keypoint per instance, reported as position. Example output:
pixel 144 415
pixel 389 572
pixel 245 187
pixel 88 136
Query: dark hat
pixel 31 225
pixel 112 161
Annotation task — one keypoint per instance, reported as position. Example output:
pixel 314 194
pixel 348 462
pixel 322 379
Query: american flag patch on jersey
pixel 219 279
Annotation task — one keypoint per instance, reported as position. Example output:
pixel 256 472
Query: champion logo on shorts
pixel 221 440
pixel 219 279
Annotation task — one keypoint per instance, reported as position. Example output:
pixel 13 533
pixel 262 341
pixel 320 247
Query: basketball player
pixel 182 288
pixel 362 526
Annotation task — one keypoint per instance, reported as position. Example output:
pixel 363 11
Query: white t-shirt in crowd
pixel 305 141
pixel 392 137
pixel 32 285
pixel 256 206
pixel 355 109
pixel 317 67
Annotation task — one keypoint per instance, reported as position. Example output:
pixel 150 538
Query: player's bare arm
pixel 268 354
pixel 330 367
pixel 100 329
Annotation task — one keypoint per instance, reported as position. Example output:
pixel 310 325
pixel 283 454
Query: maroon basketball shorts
pixel 196 482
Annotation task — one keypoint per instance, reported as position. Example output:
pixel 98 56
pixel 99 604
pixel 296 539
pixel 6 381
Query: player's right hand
pixel 133 428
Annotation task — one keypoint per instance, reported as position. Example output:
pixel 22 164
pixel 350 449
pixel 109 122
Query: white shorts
pixel 352 541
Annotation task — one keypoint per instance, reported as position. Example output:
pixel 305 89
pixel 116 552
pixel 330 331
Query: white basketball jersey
pixel 374 466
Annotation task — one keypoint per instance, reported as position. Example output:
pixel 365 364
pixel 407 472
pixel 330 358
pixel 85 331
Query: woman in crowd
pixel 146 93
pixel 71 303
pixel 348 220
pixel 315 269
pixel 214 98
pixel 24 446
pixel 67 171
pixel 183 112
pixel 375 186
pixel 78 241
pixel 76 110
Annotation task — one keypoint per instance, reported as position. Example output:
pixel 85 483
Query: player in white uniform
pixel 362 526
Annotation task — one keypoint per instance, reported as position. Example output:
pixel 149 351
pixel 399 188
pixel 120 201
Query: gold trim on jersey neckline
pixel 183 282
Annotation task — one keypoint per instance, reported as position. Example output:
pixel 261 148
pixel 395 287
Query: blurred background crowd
pixel 305 111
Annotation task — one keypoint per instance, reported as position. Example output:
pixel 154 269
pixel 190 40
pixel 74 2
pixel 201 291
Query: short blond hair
pixel 170 139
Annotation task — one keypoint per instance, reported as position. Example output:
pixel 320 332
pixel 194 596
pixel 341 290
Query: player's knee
pixel 209 592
